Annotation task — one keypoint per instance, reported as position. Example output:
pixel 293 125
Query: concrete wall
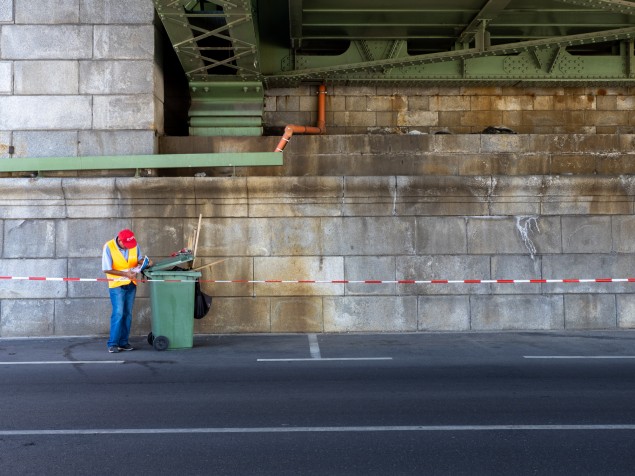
pixel 380 227
pixel 78 77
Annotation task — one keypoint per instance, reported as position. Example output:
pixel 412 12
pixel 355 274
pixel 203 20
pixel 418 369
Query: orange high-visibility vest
pixel 119 263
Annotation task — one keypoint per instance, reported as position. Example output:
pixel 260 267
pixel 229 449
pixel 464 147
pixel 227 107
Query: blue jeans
pixel 122 299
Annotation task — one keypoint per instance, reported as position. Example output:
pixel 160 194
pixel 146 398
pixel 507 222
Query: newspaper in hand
pixel 143 264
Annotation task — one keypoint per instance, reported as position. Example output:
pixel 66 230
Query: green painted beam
pixel 161 161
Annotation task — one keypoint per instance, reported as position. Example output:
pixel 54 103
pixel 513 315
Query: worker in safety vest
pixel 119 258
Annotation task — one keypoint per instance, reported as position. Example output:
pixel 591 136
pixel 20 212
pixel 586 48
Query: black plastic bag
pixel 202 302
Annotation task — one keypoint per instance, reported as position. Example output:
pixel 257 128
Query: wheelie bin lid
pixel 171 262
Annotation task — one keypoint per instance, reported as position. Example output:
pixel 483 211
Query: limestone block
pixel 235 237
pixel 124 42
pixel 116 77
pixel 512 103
pixel 84 317
pixel 6 75
pixel 586 234
pixel 363 268
pixel 27 318
pixel 299 268
pixel 441 235
pixel 357 103
pixel 516 267
pixel 5 143
pixel 417 118
pixel 29 198
pixel 45 112
pixel 226 269
pixel 47 11
pixel 518 235
pixel 355 118
pixel 587 266
pixel 86 238
pixel 6 11
pixel 369 196
pixel 160 237
pixel 47 42
pixel 450 103
pixel 26 267
pixel 45 143
pixel 123 112
pixel 457 267
pixel 236 315
pixel 370 314
pixel 290 314
pixel 221 197
pixel 503 143
pixel 87 268
pixel 574 164
pixel 93 143
pixel 590 311
pixel 132 11
pixel 517 312
pixel 443 313
pixel 435 164
pixel 29 239
pixel 298 237
pixel 374 236
pixel 294 196
pixel 289 103
pixel 623 233
pixel 464 143
pixel 606 118
pixel 442 195
pixel 625 311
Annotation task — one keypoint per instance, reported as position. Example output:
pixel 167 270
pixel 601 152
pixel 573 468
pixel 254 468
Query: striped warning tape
pixel 338 281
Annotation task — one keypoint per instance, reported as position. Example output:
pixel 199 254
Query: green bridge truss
pixel 232 50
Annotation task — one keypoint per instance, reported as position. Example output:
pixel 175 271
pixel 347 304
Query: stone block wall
pixel 338 227
pixel 77 78
pixel 460 110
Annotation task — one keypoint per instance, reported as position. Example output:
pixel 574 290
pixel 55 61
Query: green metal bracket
pixel 121 162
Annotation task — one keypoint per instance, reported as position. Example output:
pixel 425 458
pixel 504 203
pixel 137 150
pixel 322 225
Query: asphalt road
pixel 439 404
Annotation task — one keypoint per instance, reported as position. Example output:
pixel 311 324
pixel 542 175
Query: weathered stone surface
pixel 301 237
pixel 129 42
pixel 45 112
pixel 48 11
pixel 625 311
pixel 516 267
pixel 6 11
pixel 370 314
pixel 27 317
pixel 116 143
pixel 132 11
pixel 587 311
pixel 523 234
pixel 6 77
pixel 123 112
pixel 586 234
pixel 45 144
pixel 517 312
pixel 441 235
pixel 29 238
pixel 26 267
pixel 443 313
pixel 364 268
pixel 369 196
pixel 226 269
pixel 296 269
pixel 235 237
pixel 236 315
pixel 47 42
pixel 115 77
pixel 84 317
pixel 442 267
pixel 46 77
pixel 290 314
pixel 369 236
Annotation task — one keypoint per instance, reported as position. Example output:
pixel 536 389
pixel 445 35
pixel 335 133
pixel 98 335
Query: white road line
pixel 579 356
pixel 321 359
pixel 317 429
pixel 314 347
pixel 62 362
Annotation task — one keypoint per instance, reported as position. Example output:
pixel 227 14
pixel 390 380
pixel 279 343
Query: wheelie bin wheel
pixel 160 343
pixel 150 338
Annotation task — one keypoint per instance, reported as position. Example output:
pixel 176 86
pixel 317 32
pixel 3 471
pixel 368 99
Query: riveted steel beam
pixel 616 6
pixel 409 64
pixel 488 13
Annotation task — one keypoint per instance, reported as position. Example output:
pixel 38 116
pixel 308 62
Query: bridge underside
pixel 232 50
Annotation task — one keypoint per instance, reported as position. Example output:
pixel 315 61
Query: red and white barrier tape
pixel 339 281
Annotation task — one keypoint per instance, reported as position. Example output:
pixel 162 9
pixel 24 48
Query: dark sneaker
pixel 113 349
pixel 126 347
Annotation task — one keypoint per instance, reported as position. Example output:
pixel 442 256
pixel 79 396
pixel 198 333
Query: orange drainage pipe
pixel 321 122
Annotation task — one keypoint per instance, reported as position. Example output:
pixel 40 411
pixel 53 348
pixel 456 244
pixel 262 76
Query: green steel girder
pixel 352 67
pixel 617 6
pixel 122 162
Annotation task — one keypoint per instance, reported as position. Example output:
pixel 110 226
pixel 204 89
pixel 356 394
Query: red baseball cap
pixel 127 239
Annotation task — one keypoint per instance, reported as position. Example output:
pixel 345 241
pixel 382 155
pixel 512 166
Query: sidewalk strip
pixel 324 358
pixel 317 429
pixel 62 362
pixel 579 356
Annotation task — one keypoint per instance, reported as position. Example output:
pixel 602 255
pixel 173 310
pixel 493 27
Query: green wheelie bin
pixel 172 303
